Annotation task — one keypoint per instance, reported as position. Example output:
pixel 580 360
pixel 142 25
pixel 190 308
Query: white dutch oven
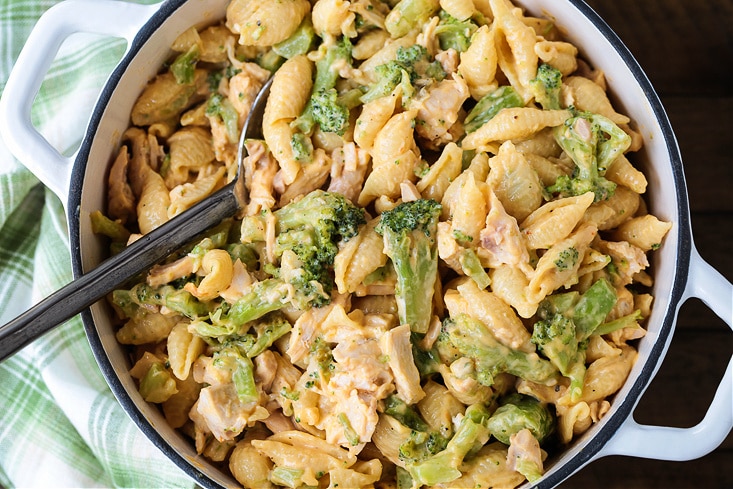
pixel 79 181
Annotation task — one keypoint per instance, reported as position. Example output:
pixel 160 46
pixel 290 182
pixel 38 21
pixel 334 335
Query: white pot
pixel 79 180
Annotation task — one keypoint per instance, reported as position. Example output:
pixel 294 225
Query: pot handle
pixel 110 17
pixel 680 444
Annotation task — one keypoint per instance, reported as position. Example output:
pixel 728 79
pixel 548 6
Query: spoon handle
pixel 112 273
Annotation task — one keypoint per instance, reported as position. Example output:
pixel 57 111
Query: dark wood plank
pixel 704 130
pixel 683 45
pixel 711 472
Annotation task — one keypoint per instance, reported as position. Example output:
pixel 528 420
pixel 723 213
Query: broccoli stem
pixel 490 105
pixel 472 433
pixel 474 340
pixel 409 232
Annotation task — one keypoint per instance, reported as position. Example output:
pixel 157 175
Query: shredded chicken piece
pixel 628 259
pixel 121 199
pixel 265 369
pixel 523 447
pixel 164 274
pixel 260 168
pixel 438 111
pixel 240 284
pixel 501 241
pixel 348 169
pixel 396 345
pixel 244 87
pixel 449 60
pixel 224 414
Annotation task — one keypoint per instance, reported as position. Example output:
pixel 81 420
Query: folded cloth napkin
pixel 60 425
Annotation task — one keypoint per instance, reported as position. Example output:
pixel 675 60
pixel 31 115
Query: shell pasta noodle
pixel 442 274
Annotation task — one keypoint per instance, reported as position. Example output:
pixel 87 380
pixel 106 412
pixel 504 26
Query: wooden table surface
pixel 686 49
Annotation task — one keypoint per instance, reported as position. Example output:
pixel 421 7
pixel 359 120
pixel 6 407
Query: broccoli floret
pixel 220 106
pixel 323 107
pixel 416 60
pixel 464 336
pixel 407 15
pixel 421 445
pixel 546 86
pixel 184 66
pixel 399 410
pixel 490 105
pixel 389 75
pixel 409 232
pixel 328 112
pixel 471 434
pixel 593 142
pixel 453 33
pixel 412 67
pixel 311 228
pixel 232 359
pixel 566 322
pixel 517 412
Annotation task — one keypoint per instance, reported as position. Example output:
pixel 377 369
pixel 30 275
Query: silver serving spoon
pixel 152 248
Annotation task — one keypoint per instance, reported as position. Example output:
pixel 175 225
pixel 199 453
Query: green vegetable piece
pixel 299 42
pixel 157 385
pixel 269 332
pixel 412 67
pixel 269 60
pixel 546 87
pixel 328 112
pixel 399 410
pixel 453 33
pixel 408 15
pixel 628 321
pixel 567 321
pixel 105 226
pixel 490 105
pixel 517 412
pixel 311 228
pixel 184 66
pixel 389 75
pixel 220 106
pixel 592 141
pixel 265 296
pixel 244 381
pixel 288 477
pixel 183 302
pixel 529 469
pixel 351 436
pixel 244 253
pixel 471 434
pixel 321 101
pixel 302 147
pixel 593 307
pixel 409 233
pixel 472 267
pixel 468 337
pixel 422 445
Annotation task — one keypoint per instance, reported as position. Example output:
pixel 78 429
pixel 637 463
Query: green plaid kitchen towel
pixel 60 425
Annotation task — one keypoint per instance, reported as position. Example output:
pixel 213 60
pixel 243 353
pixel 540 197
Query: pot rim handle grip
pixel 681 444
pixel 110 17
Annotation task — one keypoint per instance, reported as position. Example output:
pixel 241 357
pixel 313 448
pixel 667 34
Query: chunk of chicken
pixel 224 414
pixel 397 347
pixel 438 111
pixel 501 241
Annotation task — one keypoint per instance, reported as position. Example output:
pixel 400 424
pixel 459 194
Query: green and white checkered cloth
pixel 60 425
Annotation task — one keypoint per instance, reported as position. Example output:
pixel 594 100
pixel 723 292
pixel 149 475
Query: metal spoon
pixel 153 247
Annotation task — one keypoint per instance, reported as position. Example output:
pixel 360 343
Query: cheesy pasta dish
pixel 441 271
